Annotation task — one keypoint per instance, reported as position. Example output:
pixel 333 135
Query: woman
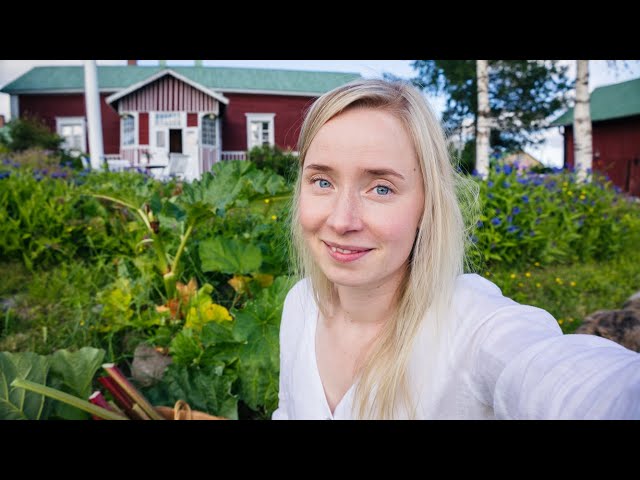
pixel 384 324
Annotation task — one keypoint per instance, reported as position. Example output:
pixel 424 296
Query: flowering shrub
pixel 549 218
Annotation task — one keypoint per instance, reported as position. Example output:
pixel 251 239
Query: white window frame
pixel 215 128
pixel 65 121
pixel 135 129
pixel 261 117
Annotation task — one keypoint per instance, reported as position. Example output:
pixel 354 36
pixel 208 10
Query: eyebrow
pixel 369 171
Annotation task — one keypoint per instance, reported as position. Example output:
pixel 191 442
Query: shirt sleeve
pixel 526 368
pixel 290 328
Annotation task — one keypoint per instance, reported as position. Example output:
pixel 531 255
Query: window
pixel 72 130
pixel 260 129
pixel 160 139
pixel 208 130
pixel 128 131
pixel 168 119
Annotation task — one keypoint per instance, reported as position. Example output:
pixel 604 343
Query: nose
pixel 346 213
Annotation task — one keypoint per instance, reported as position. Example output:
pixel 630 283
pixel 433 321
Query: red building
pixel 152 115
pixel 615 118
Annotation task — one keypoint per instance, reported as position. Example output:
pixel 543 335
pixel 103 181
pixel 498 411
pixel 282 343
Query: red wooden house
pixel 615 117
pixel 152 114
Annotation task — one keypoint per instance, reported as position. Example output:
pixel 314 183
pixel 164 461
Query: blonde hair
pixel 436 259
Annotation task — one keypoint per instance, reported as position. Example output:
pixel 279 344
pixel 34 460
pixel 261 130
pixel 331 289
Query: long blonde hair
pixel 437 256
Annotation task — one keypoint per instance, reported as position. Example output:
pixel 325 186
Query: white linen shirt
pixel 500 360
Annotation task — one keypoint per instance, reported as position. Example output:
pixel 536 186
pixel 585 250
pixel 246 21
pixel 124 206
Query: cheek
pixel 311 214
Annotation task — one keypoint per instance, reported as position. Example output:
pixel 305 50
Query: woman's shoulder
pixel 299 306
pixel 476 300
pixel 299 292
pixel 473 293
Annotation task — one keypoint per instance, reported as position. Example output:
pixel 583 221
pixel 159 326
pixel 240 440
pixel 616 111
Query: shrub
pixel 273 158
pixel 29 132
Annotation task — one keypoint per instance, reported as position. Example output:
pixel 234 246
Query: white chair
pixel 177 165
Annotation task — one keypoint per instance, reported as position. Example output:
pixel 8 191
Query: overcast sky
pixel 550 154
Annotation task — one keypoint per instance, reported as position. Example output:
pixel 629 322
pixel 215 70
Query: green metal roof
pixel 222 78
pixel 612 101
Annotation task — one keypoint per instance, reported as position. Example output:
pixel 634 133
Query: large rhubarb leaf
pixel 75 371
pixel 229 256
pixel 207 389
pixel 258 324
pixel 18 403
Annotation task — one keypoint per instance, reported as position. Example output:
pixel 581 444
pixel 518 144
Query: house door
pixel 191 150
pixel 175 140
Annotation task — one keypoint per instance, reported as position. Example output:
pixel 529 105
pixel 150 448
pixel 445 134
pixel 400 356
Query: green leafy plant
pixel 69 372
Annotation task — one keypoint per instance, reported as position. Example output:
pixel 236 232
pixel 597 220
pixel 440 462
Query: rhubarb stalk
pixel 66 398
pixel 136 397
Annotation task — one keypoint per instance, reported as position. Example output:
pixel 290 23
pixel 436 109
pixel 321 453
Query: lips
pixel 346 249
pixel 346 253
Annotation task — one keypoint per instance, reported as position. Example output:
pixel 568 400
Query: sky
pixel 550 153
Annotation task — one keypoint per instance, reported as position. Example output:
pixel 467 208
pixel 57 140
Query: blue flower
pixel 474 239
pixel 490 196
pixel 506 184
pixel 516 210
pixel 496 221
pixel 532 233
pixel 522 181
pixel 508 169
pixel 479 224
pixel 525 199
pixel 489 184
pixel 512 229
pixel 497 211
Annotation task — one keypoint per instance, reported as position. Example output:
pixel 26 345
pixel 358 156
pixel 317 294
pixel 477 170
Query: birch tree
pixel 583 148
pixel 482 125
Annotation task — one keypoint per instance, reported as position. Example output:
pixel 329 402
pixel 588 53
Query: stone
pixel 622 326
pixel 148 365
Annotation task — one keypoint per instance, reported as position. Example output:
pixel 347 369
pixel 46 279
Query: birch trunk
pixel 482 122
pixel 583 149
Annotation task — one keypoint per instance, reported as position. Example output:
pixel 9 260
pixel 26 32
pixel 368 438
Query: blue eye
pixel 320 182
pixel 384 192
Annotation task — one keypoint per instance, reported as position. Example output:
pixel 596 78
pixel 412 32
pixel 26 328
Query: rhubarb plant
pixel 69 372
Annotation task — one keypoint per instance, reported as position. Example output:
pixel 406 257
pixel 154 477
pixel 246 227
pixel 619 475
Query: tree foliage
pixel 29 132
pixel 523 96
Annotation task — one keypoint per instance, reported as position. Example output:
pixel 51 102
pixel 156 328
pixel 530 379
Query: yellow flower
pixel 538 285
pixel 273 217
pixel 528 274
pixel 513 275
pixel 582 197
pixel 488 274
pixel 560 321
pixel 266 200
pixel 81 323
pixel 573 284
pixel 263 279
pixel 520 284
pixel 537 264
pixel 558 280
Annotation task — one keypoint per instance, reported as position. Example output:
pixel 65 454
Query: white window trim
pixel 201 117
pixel 261 117
pixel 136 138
pixel 62 121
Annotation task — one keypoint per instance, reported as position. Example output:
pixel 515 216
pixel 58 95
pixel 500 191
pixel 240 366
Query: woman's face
pixel 361 191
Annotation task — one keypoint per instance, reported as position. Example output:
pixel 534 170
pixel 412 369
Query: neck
pixel 367 306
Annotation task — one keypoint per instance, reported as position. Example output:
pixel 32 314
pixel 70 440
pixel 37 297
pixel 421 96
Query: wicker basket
pixel 182 411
